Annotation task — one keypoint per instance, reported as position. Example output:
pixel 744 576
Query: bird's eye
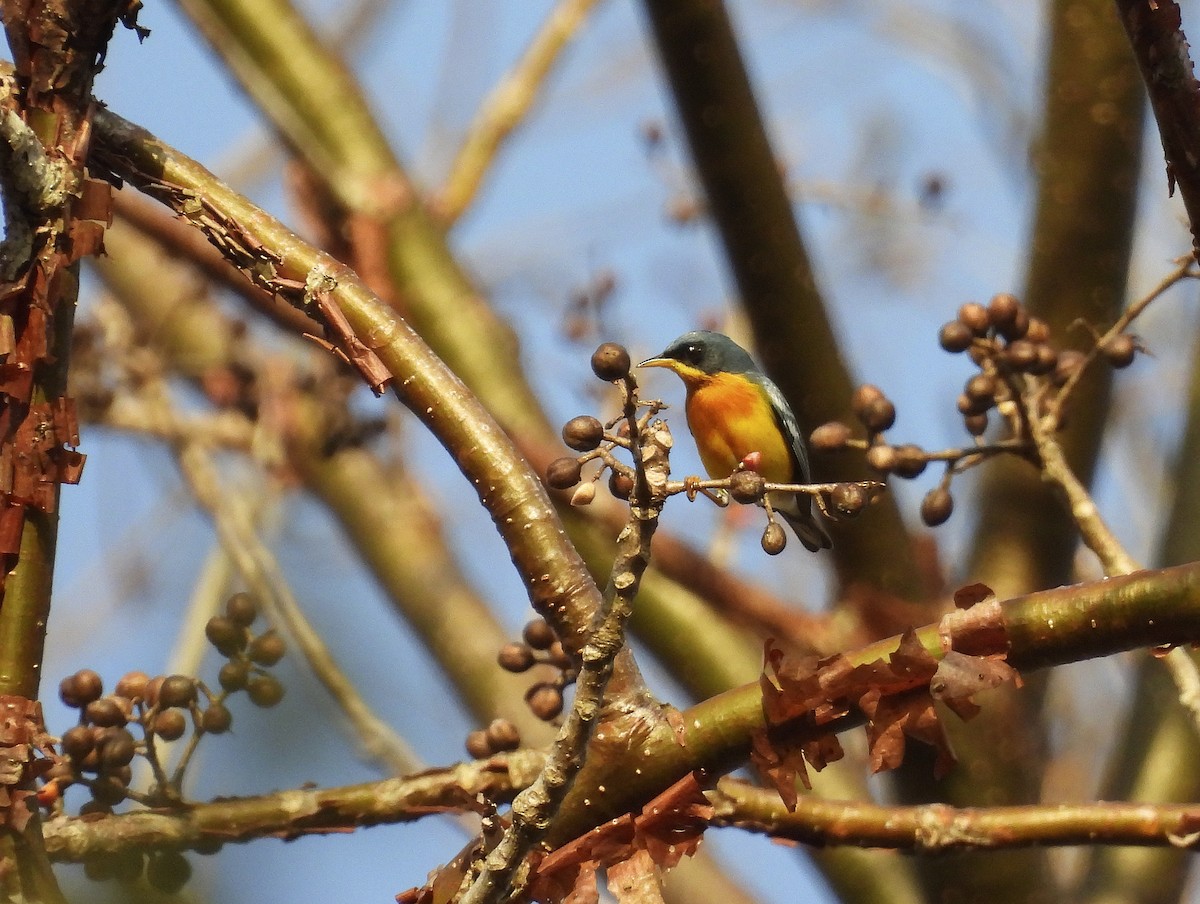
pixel 692 354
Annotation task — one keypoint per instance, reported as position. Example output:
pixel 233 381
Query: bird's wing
pixel 791 429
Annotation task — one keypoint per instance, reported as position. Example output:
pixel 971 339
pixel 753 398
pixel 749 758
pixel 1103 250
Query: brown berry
pixel 881 458
pixel 1047 359
pixel 774 539
pixel 1039 330
pixel 177 690
pixel 583 433
pixel 168 871
pixel 478 745
pixel 976 424
pixel 1008 316
pixel 981 388
pixel 1021 354
pixel 864 396
pixel 515 657
pixel 77 742
pixel 234 675
pixel 264 690
pixel 226 635
pixel 746 486
pixel 503 735
pixel 980 353
pixel 128 866
pixel 849 499
pixel 88 686
pixel 545 701
pixel 563 473
pixel 620 485
pixel 1120 350
pixel 937 506
pixel 216 719
pixel 100 868
pixel 170 724
pixel 538 634
pixel 610 362
pixel 974 316
pixel 117 748
pixel 557 655
pixel 830 436
pixel 132 685
pixel 153 686
pixel 955 336
pixel 880 415
pixel 967 405
pixel 1069 361
pixel 584 493
pixel 267 649
pixel 105 712
pixel 108 789
pixel 242 608
pixel 910 461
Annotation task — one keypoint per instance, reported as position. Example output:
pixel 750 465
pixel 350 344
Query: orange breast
pixel 730 417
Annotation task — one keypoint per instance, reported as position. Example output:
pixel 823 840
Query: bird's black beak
pixel 659 361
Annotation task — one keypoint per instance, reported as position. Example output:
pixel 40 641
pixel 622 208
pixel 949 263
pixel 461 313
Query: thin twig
pixel 297 811
pixel 936 828
pixel 506 105
pixel 1185 269
pixel 263 576
pixel 533 809
pixel 1100 539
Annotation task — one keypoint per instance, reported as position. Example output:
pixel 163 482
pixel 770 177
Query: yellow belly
pixel 731 418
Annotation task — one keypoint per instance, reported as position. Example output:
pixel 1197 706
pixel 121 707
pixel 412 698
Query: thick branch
pixel 559 585
pixel 1155 32
pixel 936 828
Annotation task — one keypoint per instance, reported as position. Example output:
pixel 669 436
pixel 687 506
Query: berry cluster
pixel 141 711
pixel 1021 375
pixel 539 645
pixel 587 435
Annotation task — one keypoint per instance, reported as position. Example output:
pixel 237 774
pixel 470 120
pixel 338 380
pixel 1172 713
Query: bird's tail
pixel 800 516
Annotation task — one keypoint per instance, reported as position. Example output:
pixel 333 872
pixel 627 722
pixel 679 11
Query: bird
pixel 734 411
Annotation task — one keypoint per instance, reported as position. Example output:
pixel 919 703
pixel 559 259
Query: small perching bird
pixel 734 411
